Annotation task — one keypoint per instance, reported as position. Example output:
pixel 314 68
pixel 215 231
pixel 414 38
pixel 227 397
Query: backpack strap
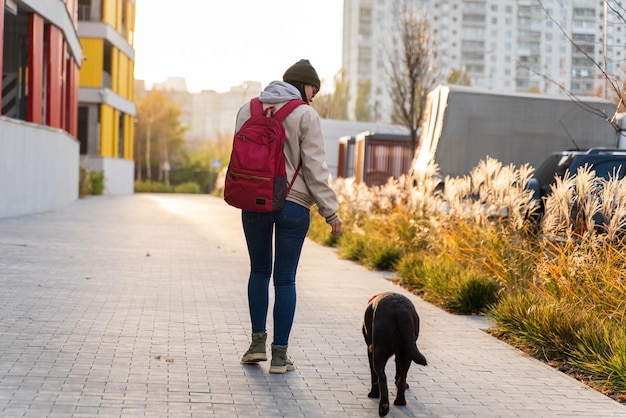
pixel 284 111
pixel 256 108
pixel 293 180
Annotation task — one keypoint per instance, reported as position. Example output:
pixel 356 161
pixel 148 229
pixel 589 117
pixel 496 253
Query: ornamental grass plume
pixel 457 195
pixel 414 194
pixel 558 207
pixel 356 197
pixel 613 207
pixel 586 203
pixel 491 190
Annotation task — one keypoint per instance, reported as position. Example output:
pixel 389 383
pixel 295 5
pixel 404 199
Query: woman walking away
pixel 287 227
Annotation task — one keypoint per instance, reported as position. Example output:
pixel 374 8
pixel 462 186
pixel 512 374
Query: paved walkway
pixel 136 306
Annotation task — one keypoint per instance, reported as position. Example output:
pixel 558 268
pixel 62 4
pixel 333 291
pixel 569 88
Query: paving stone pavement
pixel 135 306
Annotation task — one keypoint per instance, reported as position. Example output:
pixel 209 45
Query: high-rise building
pixel 40 57
pixel 106 111
pixel 505 45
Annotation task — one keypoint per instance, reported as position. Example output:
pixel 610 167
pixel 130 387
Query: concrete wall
pixel 464 125
pixel 118 173
pixel 39 168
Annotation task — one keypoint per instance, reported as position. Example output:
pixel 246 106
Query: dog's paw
pixel 400 402
pixel 383 409
pixel 374 393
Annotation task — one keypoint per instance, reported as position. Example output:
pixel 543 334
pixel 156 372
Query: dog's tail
pixel 416 356
pixel 410 330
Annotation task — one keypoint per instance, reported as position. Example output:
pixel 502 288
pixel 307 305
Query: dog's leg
pixel 380 361
pixel 403 362
pixel 367 335
pixel 375 391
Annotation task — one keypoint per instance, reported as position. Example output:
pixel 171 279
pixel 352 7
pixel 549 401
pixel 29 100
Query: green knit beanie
pixel 302 72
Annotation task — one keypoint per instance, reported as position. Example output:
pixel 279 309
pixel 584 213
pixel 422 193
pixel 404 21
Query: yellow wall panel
pixel 123 76
pixel 131 81
pixel 112 13
pixel 115 64
pixel 107 128
pixel 118 15
pixel 130 23
pixel 91 72
pixel 129 134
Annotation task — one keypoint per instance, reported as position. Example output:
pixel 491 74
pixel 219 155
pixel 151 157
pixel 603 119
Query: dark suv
pixel 606 162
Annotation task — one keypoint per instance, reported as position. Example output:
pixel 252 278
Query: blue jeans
pixel 291 224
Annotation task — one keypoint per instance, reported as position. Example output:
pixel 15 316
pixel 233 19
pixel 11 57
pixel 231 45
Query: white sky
pixel 215 45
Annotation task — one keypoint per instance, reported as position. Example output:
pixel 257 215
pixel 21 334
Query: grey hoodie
pixel 305 145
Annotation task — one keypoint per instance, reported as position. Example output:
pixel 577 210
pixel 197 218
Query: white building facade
pixel 207 115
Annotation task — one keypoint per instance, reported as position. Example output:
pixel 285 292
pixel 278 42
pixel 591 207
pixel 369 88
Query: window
pixel 15 63
pixel 107 65
pixel 83 128
pixel 84 10
pixel 120 135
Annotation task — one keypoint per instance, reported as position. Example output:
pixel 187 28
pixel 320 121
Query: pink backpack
pixel 256 179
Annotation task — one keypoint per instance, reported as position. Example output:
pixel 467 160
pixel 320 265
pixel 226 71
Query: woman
pixel 288 227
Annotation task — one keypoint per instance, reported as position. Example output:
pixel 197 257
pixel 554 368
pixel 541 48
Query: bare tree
pixel 413 71
pixel 158 134
pixel 459 78
pixel 335 104
pixel 362 108
pixel 615 86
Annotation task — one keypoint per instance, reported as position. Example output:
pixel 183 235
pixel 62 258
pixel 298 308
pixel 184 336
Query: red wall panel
pixel 72 98
pixel 54 96
pixel 1 48
pixel 35 68
pixel 72 8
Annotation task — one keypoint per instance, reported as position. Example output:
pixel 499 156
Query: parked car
pixel 606 162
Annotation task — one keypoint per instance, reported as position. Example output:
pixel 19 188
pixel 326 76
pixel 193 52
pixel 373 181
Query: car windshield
pixel 554 166
pixel 605 169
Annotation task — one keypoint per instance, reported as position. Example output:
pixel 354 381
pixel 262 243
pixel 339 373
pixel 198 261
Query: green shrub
pixel 319 231
pixel 152 187
pixel 97 182
pixel 382 254
pixel 544 326
pixel 188 187
pixel 90 182
pixel 454 287
pixel 410 269
pixel 601 352
pixel 352 246
pixel 561 332
pixel 142 186
pixel 476 294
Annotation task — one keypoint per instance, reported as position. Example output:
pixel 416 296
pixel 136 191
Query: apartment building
pixel 106 111
pixel 40 59
pixel 505 45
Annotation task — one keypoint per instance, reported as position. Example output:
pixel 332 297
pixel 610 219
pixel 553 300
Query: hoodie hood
pixel 278 92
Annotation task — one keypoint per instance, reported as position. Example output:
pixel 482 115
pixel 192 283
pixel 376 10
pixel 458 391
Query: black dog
pixel 391 327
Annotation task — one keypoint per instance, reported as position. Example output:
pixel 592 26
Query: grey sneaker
pixel 256 352
pixel 281 362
